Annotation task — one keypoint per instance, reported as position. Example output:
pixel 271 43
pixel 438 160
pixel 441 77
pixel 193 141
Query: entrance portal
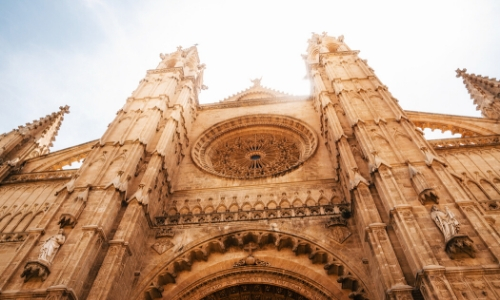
pixel 254 292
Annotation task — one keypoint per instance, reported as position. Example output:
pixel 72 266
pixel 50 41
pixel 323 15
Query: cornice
pixel 40 176
pixel 264 101
pixel 469 142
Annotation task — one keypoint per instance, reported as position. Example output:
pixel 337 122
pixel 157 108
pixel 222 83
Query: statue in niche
pixel 446 222
pixel 50 247
pixel 41 267
pixel 455 244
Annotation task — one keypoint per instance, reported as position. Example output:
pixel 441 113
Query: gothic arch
pixel 477 191
pixel 193 268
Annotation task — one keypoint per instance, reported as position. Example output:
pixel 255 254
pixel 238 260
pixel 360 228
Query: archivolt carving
pixel 254 146
pixel 315 253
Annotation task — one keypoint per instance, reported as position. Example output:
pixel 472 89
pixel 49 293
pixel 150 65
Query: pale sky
pixel 91 54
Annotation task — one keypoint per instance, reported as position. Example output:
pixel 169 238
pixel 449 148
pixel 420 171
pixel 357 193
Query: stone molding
pixel 264 101
pixel 469 142
pixel 295 282
pixel 252 215
pixel 40 176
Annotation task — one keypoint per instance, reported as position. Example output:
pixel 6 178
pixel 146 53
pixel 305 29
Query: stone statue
pixel 256 81
pixel 446 222
pixel 49 248
pixel 199 79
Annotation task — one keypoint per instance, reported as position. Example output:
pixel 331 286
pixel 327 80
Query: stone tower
pixel 264 195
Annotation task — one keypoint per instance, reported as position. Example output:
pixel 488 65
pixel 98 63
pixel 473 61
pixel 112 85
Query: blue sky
pixel 91 54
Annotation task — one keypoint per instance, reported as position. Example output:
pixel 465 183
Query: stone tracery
pixel 254 147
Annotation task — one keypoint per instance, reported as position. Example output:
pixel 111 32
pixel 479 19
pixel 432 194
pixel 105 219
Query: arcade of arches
pixel 263 195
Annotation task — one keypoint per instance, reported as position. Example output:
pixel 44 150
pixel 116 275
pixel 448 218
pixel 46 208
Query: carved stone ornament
pixel 460 244
pixel 449 226
pixel 41 267
pixel 162 246
pixel 50 247
pixel 425 192
pixel 250 261
pixel 254 147
pixel 339 231
pixel 35 269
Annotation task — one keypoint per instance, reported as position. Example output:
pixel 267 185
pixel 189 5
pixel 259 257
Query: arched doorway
pixel 253 257
pixel 255 291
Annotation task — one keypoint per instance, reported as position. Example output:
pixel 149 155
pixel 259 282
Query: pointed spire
pixel 484 91
pixel 42 132
pixel 49 134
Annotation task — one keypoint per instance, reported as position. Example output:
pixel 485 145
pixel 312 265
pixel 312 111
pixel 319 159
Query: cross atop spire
pixel 484 91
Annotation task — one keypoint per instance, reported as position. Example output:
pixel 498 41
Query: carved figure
pixel 446 222
pixel 199 79
pixel 50 247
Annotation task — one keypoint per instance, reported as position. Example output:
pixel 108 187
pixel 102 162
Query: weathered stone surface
pixel 335 195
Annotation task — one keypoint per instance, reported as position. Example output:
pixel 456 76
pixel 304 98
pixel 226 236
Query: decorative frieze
pixel 254 215
pixel 41 176
pixel 453 143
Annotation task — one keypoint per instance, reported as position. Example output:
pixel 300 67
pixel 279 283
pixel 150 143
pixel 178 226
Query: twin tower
pixel 335 195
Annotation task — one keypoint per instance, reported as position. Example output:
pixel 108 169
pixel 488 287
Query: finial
pixel 179 48
pixel 256 81
pixel 460 72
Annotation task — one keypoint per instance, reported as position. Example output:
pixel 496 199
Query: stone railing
pixel 479 141
pixel 255 215
pixel 39 176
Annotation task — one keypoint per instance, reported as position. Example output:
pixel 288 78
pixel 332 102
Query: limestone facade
pixel 264 195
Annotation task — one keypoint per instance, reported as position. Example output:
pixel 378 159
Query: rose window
pixel 254 147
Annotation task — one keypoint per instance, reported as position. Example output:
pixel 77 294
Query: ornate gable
pixel 256 92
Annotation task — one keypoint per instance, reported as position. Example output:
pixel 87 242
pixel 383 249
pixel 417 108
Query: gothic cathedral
pixel 335 195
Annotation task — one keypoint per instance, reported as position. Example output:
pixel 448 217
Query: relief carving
pixel 161 246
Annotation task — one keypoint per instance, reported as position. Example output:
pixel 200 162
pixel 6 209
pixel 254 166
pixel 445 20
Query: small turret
pixel 484 91
pixel 32 140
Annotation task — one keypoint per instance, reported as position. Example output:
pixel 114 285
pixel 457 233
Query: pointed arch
pixel 197 210
pixel 13 223
pixel 284 203
pixel 490 190
pixel 272 204
pixel 4 221
pixel 34 223
pixel 209 209
pixel 221 208
pixel 26 219
pixel 234 207
pixel 323 201
pixel 259 205
pixel 476 190
pixel 246 207
pixel 297 203
pixel 311 202
pixel 184 210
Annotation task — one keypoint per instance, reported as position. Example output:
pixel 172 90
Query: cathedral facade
pixel 263 195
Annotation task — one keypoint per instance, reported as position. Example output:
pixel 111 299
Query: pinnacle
pixel 484 91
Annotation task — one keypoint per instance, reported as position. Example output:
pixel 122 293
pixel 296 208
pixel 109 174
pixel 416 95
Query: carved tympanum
pixel 254 147
pixel 254 291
